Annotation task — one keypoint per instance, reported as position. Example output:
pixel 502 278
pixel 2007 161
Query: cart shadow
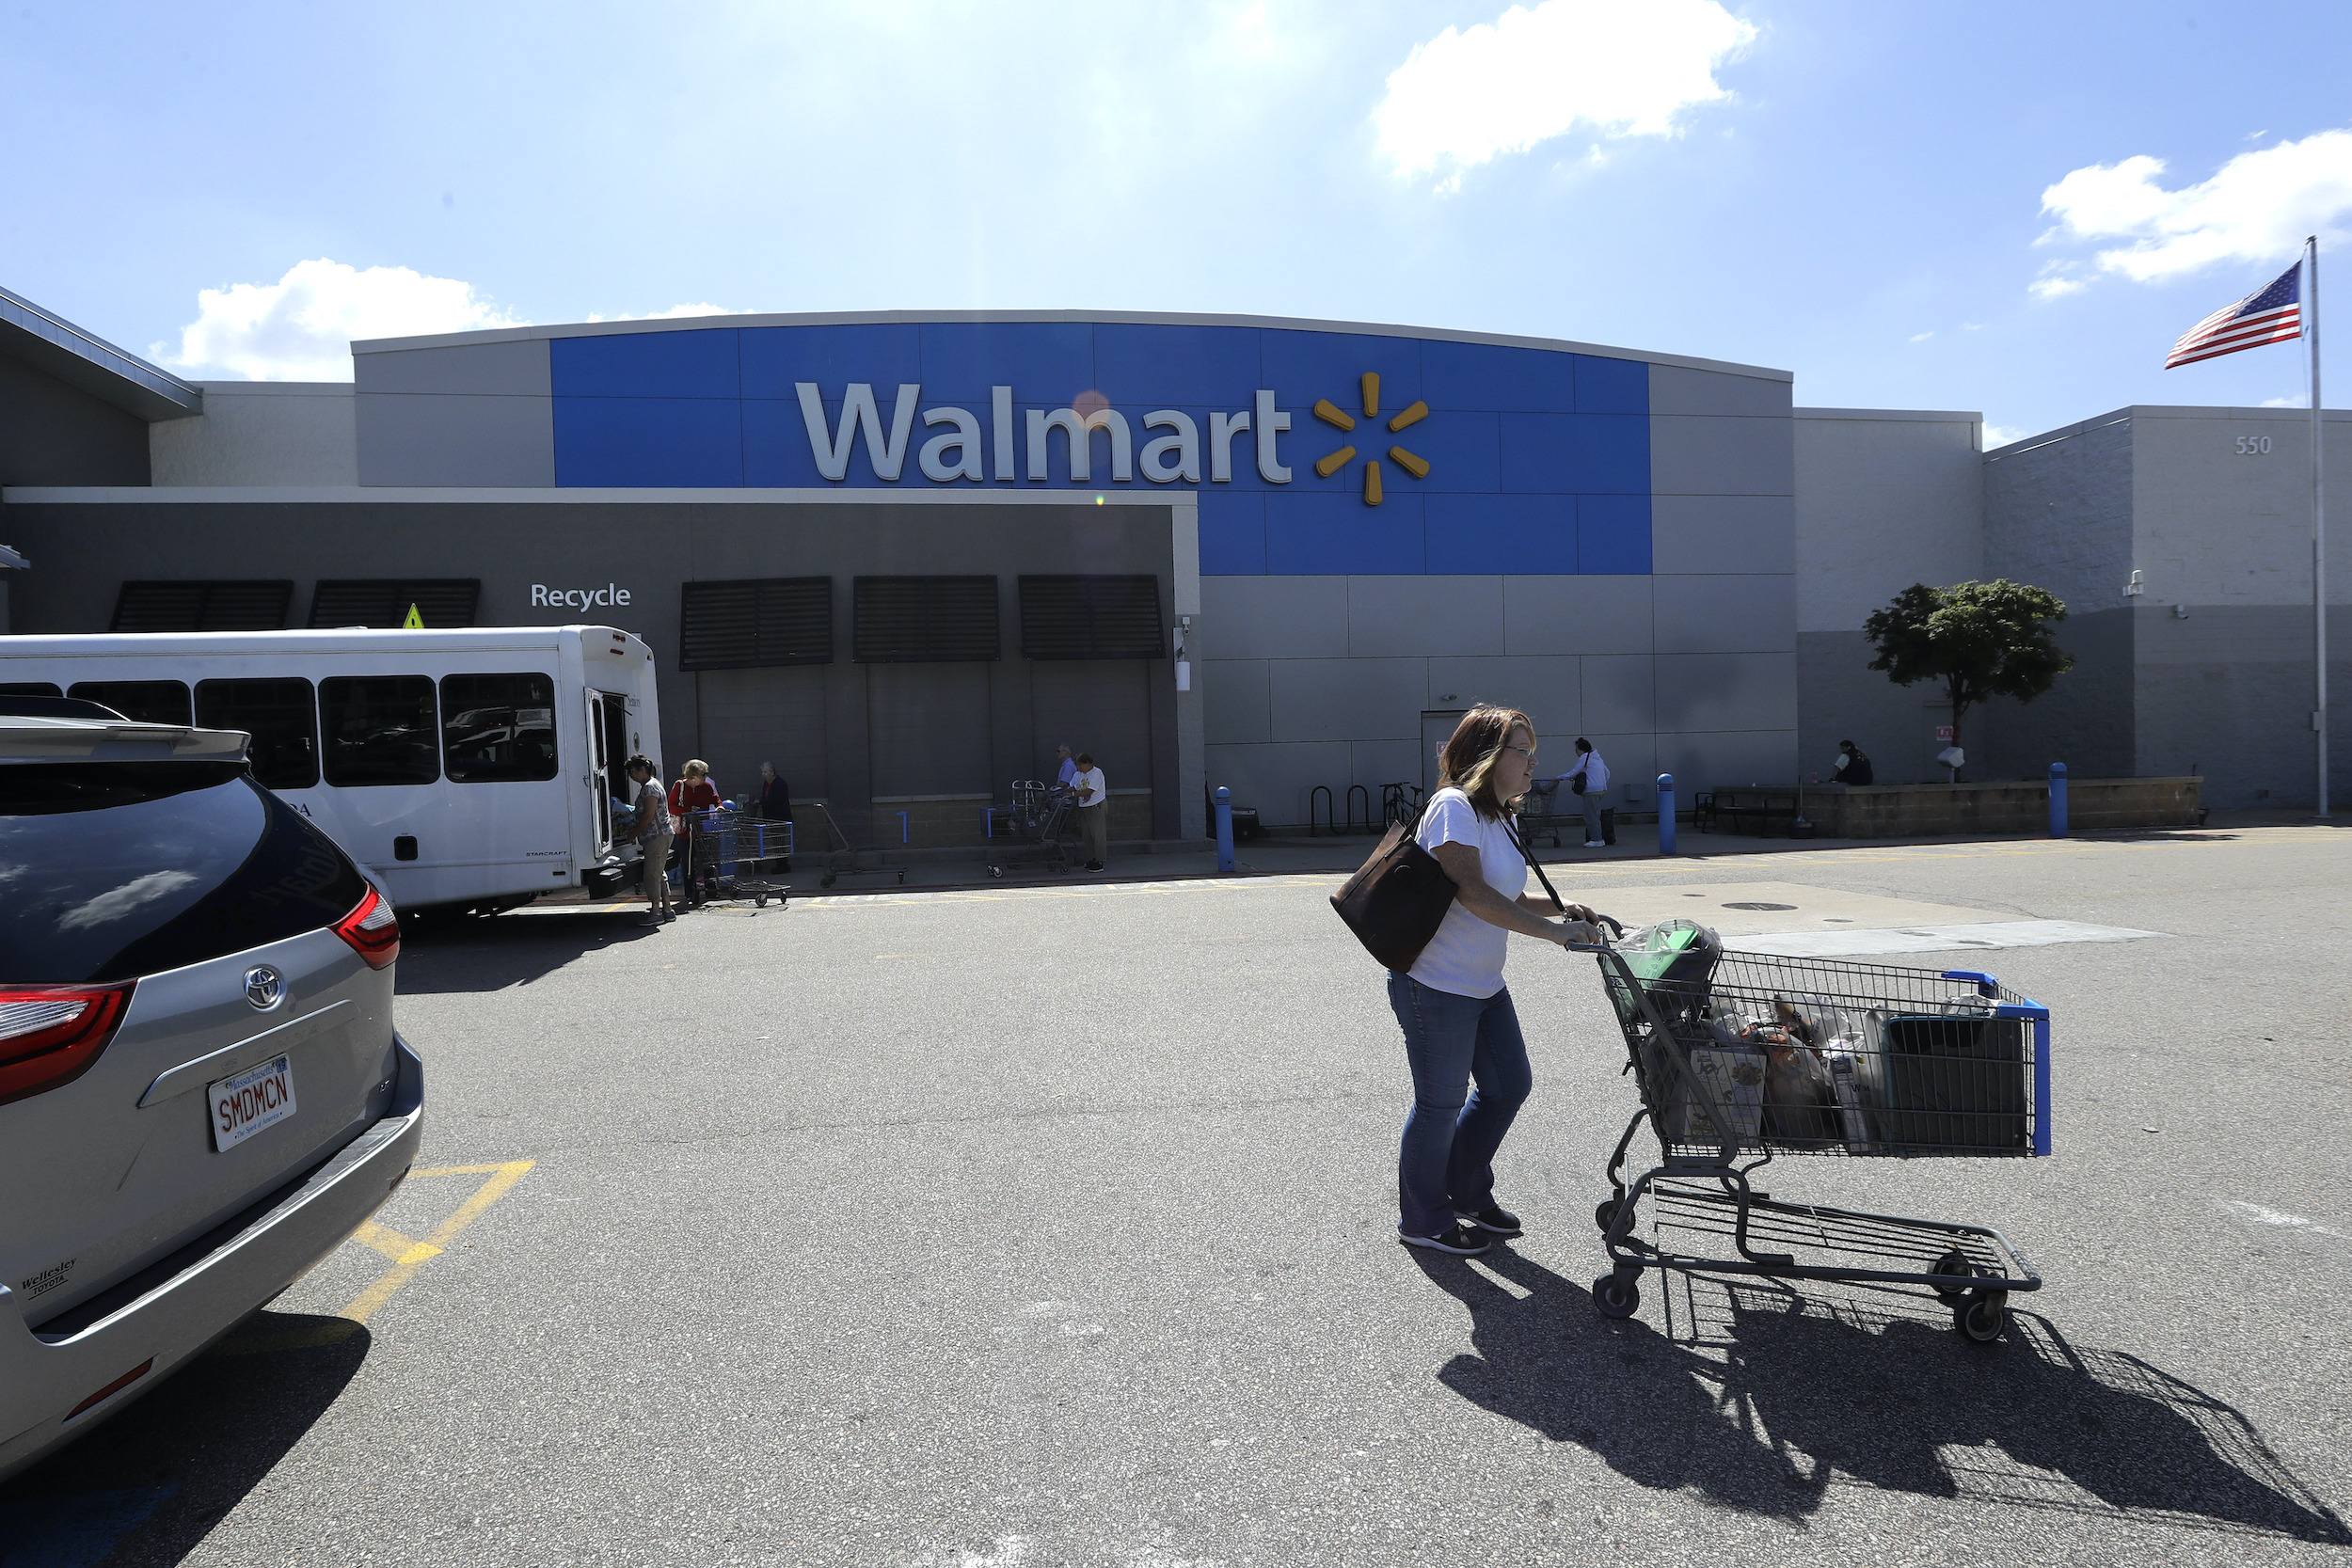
pixel 459 955
pixel 151 1483
pixel 1768 1395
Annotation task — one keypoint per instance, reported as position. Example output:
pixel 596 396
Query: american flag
pixel 2271 314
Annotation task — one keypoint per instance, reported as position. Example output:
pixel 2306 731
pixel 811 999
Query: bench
pixel 1734 809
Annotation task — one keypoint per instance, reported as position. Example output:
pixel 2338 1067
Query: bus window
pixel 143 702
pixel 29 688
pixel 281 717
pixel 498 729
pixel 378 730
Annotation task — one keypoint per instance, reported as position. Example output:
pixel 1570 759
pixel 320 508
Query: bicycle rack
pixel 1324 790
pixel 1354 790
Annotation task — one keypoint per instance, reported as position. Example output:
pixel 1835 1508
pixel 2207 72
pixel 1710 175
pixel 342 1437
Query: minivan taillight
pixel 372 929
pixel 50 1035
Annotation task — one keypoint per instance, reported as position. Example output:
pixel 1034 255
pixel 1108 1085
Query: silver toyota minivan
pixel 201 1092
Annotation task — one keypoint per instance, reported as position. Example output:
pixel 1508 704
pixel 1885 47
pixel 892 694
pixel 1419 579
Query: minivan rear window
pixel 113 870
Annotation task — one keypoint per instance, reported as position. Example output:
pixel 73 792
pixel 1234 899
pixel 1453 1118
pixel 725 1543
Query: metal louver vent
pixel 248 606
pixel 757 621
pixel 1091 617
pixel 927 620
pixel 385 601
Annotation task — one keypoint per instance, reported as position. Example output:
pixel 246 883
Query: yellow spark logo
pixel 1331 414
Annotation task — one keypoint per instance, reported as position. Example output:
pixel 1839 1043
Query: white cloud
pixel 1466 96
pixel 2257 208
pixel 2001 435
pixel 1922 337
pixel 300 327
pixel 2298 401
pixel 673 313
pixel 2050 286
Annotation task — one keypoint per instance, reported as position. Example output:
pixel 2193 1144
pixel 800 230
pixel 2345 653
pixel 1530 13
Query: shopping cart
pixel 1036 818
pixel 1744 1058
pixel 841 856
pixel 725 851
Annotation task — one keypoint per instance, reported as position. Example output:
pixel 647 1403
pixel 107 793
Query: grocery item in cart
pixel 1673 961
pixel 1730 1099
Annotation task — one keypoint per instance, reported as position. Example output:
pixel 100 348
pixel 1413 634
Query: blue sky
pixel 1854 192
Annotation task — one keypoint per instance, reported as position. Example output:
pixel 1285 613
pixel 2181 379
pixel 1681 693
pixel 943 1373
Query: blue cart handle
pixel 1985 984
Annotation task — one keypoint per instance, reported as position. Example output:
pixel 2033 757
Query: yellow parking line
pixel 407 1257
pixel 391 1242
pixel 404 1268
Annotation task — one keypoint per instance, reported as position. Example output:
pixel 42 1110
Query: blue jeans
pixel 1446 1163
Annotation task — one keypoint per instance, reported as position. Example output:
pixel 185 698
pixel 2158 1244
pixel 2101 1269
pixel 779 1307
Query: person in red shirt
pixel 697 844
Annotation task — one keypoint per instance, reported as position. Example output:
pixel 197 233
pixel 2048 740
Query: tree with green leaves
pixel 1981 640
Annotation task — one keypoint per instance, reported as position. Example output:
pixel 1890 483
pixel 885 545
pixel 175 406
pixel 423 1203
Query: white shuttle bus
pixel 473 768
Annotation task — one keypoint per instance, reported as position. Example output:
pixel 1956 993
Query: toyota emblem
pixel 264 987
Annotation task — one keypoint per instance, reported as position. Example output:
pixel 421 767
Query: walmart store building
pixel 902 555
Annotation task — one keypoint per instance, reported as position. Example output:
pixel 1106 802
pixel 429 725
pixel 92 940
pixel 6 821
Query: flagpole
pixel 2319 529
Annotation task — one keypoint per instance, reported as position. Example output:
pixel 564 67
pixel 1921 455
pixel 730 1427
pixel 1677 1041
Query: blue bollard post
pixel 1665 814
pixel 1224 829
pixel 2057 799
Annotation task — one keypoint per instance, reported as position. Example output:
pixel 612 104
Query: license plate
pixel 260 1095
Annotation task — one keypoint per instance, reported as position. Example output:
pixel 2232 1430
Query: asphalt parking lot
pixel 1054 1225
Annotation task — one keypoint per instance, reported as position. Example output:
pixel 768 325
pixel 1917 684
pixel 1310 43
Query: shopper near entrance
pixel 1094 809
pixel 649 824
pixel 1853 765
pixel 1068 768
pixel 1589 777
pixel 1460 1027
pixel 691 797
pixel 775 805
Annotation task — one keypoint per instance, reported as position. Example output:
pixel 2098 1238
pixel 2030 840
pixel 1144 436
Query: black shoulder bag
pixel 1395 902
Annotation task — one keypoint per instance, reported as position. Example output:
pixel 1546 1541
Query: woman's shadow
pixel 1792 1395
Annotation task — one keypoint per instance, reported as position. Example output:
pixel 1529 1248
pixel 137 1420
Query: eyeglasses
pixel 1527 752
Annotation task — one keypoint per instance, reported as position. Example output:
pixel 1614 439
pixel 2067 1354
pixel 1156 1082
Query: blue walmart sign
pixel 1312 452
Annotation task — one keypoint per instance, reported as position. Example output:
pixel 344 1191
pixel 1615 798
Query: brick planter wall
pixel 1926 811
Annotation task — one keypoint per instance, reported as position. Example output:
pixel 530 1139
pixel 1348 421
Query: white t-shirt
pixel 1091 779
pixel 1595 773
pixel 1466 954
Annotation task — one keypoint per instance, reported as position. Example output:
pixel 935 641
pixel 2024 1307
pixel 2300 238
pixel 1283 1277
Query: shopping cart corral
pixel 842 858
pixel 1743 1059
pixel 1036 820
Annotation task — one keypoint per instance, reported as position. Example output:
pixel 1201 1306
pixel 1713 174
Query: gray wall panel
pixel 1405 616
pixel 1676 389
pixel 1277 779
pixel 1347 698
pixel 1695 455
pixel 1840 697
pixel 407 439
pixel 1620 695
pixel 52 433
pixel 1715 534
pixel 1727 615
pixel 1699 760
pixel 515 370
pixel 1549 689
pixel 1576 615
pixel 1727 692
pixel 1882 504
pixel 1238 699
pixel 1300 617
